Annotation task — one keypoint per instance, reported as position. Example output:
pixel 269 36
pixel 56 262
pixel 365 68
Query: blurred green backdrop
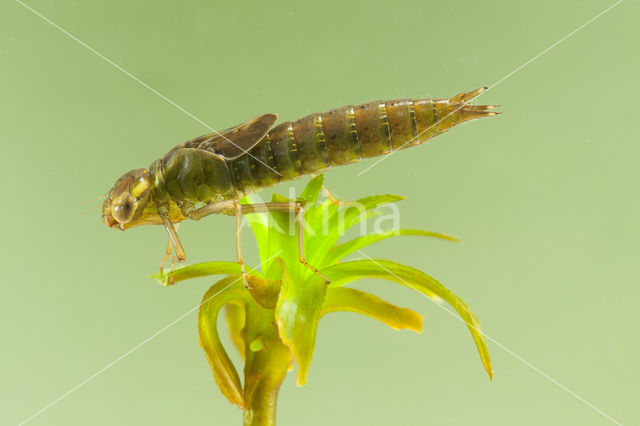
pixel 545 198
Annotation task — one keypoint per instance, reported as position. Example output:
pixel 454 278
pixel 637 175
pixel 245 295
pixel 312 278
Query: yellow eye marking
pixel 139 187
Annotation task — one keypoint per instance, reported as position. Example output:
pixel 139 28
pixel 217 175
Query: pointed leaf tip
pixel 415 279
pixel 311 192
pixel 352 300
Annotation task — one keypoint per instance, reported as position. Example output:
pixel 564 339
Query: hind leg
pixel 233 207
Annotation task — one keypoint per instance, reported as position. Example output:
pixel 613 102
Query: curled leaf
pixel 235 314
pixel 352 300
pixel 196 271
pixel 344 273
pixel 227 290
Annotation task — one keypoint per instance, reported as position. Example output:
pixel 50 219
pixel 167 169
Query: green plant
pixel 274 320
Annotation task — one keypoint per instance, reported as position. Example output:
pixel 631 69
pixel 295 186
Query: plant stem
pixel 264 369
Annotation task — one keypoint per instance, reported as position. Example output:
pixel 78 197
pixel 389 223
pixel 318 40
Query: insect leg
pixel 166 256
pixel 219 207
pixel 167 253
pixel 173 236
pixel 334 200
pixel 226 207
pixel 238 247
pixel 301 258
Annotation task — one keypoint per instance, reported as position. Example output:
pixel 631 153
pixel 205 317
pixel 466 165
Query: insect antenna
pixel 93 200
pixel 90 209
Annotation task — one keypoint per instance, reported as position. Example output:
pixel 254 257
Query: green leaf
pixel 340 251
pixel 195 271
pixel 344 273
pixel 297 313
pixel 227 290
pixel 352 300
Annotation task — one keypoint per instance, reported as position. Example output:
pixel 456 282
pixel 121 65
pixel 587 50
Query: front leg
pixel 163 212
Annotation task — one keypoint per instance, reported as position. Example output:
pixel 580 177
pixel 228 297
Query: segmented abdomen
pixel 347 134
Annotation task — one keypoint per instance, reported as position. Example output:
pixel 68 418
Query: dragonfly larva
pixel 207 175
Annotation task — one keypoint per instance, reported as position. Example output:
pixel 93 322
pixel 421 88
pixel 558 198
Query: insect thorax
pixel 189 176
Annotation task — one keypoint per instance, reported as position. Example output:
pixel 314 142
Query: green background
pixel 545 198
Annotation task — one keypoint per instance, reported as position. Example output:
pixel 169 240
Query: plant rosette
pixel 273 321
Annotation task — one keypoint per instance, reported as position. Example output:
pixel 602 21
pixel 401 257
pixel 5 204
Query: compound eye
pixel 122 210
